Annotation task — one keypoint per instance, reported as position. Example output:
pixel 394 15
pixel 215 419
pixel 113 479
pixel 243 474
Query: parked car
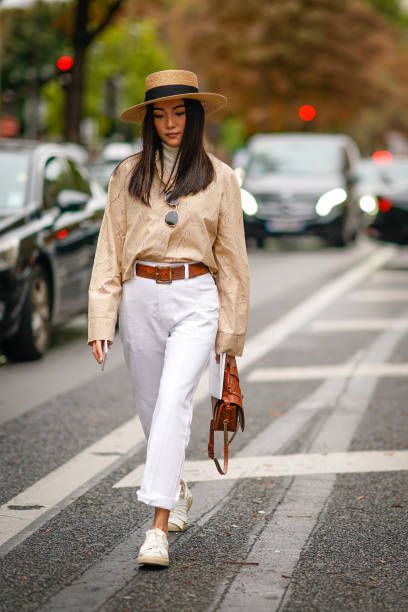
pixel 390 223
pixel 302 184
pixel 50 215
pixel 370 180
pixel 374 177
pixel 113 153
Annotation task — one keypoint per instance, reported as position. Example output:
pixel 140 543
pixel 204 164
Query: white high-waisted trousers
pixel 167 332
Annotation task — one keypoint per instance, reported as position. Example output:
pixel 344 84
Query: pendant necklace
pixel 171 218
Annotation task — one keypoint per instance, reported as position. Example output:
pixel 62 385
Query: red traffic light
pixel 64 63
pixel 307 112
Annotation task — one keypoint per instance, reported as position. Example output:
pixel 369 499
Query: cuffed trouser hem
pixel 157 502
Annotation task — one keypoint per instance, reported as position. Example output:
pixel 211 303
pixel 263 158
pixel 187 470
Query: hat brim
pixel 212 103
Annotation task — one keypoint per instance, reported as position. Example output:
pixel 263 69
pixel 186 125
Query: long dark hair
pixel 195 170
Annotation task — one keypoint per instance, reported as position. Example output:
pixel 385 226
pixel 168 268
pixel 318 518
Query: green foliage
pixel 32 43
pixel 54 99
pixel 232 133
pixel 124 53
pixel 391 9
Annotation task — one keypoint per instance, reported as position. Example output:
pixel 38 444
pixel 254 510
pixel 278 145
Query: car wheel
pixel 260 242
pixel 34 333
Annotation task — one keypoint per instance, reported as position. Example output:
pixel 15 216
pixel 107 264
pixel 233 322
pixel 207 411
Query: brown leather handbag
pixel 228 412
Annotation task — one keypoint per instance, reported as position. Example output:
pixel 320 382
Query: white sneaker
pixel 155 549
pixel 178 519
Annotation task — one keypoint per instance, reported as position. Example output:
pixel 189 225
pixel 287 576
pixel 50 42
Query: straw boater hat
pixel 169 84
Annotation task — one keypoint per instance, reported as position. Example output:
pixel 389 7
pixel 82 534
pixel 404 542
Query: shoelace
pixel 158 541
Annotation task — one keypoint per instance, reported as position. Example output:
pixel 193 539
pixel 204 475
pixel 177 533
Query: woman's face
pixel 169 119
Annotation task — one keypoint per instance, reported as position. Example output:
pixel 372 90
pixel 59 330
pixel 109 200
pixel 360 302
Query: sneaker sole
pixel 175 528
pixel 141 560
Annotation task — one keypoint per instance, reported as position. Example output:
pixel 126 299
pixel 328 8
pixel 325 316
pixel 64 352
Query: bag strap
pixel 222 470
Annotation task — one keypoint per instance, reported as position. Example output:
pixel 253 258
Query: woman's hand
pixel 97 351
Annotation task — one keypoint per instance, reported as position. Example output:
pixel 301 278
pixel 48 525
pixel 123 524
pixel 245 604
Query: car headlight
pixel 369 204
pixel 249 203
pixel 8 253
pixel 329 200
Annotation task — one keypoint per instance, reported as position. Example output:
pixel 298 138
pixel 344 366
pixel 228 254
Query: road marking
pixel 306 495
pixel 60 487
pixel 357 325
pixel 274 334
pixel 379 370
pixel 286 465
pixel 379 295
pixel 22 526
pixel 90 590
pixel 390 276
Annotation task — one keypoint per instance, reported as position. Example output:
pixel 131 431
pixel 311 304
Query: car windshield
pixel 13 181
pixel 295 158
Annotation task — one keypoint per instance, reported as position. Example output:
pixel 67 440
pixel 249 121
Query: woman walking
pixel 171 262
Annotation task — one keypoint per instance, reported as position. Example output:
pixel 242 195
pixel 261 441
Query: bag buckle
pixel 165 281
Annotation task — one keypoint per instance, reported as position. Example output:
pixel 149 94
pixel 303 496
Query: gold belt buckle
pixel 159 281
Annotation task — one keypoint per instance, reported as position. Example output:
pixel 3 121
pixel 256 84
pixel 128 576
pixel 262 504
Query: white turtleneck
pixel 169 158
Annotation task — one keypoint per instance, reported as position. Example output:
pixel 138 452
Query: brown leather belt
pixel 167 274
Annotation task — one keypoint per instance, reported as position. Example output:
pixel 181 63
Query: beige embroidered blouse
pixel 210 229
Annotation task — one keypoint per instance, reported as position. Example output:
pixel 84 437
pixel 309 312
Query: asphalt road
pixel 313 513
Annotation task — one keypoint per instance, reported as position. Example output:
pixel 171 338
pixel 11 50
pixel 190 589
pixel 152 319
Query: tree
pixel 36 36
pixel 117 66
pixel 269 57
pixel 391 9
pixel 88 25
pixel 90 19
pixel 32 41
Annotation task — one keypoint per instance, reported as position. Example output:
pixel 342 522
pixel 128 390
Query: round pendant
pixel 171 218
pixel 170 200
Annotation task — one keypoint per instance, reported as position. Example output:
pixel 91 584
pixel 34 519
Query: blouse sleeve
pixel 232 276
pixel 105 288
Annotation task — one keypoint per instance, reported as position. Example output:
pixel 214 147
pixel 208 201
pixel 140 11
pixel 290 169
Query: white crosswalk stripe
pixel 332 412
pixel 379 295
pixel 286 465
pixel 63 485
pixel 390 276
pixel 55 491
pixel 377 370
pixel 340 325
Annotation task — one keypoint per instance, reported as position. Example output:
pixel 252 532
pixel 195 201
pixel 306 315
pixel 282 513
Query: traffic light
pixel 64 64
pixel 307 112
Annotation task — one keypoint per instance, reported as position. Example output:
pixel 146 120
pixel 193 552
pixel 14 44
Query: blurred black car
pixel 301 184
pixel 50 214
pixel 390 223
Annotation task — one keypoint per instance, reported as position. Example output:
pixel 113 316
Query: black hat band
pixel 162 91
